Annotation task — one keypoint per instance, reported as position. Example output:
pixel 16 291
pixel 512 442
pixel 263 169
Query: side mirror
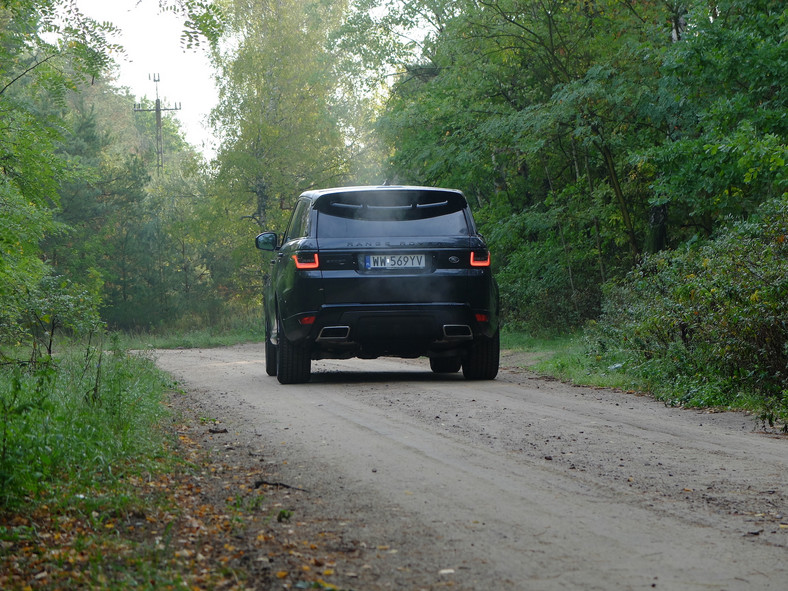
pixel 266 241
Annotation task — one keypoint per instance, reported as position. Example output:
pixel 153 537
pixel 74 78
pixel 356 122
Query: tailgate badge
pixel 454 259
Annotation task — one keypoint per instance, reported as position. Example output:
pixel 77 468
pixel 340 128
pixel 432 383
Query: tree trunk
pixel 622 204
pixel 598 233
pixel 657 228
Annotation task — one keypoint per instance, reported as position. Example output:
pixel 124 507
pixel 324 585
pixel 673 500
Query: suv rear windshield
pixel 391 213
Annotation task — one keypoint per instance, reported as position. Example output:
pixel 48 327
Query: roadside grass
pixel 73 417
pixel 82 450
pixel 234 330
pixel 95 485
pixel 570 358
pixel 564 357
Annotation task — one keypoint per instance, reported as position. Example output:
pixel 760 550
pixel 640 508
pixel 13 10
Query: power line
pixel 158 109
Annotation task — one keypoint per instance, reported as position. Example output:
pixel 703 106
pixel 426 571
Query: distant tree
pixel 36 74
pixel 724 152
pixel 597 130
pixel 279 130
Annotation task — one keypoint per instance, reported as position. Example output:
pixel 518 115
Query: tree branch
pixel 30 69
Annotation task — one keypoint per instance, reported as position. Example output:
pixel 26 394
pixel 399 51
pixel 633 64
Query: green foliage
pixel 231 329
pixel 55 307
pixel 28 173
pixel 75 175
pixel 280 134
pixel 725 150
pixel 78 416
pixel 35 77
pixel 546 282
pixel 708 324
pixel 136 233
pixel 202 21
pixel 74 48
pixel 286 125
pixel 630 126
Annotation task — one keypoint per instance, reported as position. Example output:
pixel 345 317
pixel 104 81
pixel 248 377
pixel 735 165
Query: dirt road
pixel 520 483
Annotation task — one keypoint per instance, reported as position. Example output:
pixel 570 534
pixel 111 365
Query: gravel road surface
pixel 521 483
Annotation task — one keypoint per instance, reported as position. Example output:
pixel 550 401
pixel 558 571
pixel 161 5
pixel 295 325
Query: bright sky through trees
pixel 152 43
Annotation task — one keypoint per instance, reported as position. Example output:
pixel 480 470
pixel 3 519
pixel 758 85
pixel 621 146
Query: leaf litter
pixel 191 519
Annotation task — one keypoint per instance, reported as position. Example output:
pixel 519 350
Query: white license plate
pixel 395 261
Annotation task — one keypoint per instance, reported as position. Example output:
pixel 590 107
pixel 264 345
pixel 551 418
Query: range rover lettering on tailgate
pixel 380 271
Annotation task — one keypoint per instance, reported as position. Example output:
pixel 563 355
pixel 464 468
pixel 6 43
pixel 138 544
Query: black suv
pixel 380 271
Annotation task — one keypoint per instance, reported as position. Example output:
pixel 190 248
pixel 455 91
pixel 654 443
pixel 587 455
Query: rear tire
pixel 294 363
pixel 482 362
pixel 445 364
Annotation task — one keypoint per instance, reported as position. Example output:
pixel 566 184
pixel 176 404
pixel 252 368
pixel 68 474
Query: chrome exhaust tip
pixel 457 331
pixel 334 333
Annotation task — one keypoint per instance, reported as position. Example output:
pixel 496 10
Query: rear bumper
pixel 405 330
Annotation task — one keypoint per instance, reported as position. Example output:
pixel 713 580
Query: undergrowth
pixel 74 418
pixel 706 325
pixel 240 328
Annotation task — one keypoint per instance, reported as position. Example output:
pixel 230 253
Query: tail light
pixel 480 258
pixel 306 260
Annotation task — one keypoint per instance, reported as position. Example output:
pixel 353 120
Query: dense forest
pixel 625 159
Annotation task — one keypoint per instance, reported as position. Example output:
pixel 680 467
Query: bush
pixel 54 307
pixel 77 415
pixel 708 324
pixel 548 283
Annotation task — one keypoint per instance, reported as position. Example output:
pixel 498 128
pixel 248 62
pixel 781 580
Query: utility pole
pixel 158 109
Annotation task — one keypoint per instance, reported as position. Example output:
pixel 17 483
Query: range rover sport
pixel 380 271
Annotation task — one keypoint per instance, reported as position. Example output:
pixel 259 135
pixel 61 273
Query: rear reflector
pixel 482 317
pixel 480 259
pixel 306 320
pixel 306 261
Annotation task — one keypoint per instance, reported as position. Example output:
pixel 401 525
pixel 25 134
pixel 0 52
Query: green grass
pixel 512 338
pixel 74 419
pixel 196 339
pixel 247 328
pixel 565 357
pixel 83 439
pixel 569 359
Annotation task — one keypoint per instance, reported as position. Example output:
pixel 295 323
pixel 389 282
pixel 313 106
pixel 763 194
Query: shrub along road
pixel 396 478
